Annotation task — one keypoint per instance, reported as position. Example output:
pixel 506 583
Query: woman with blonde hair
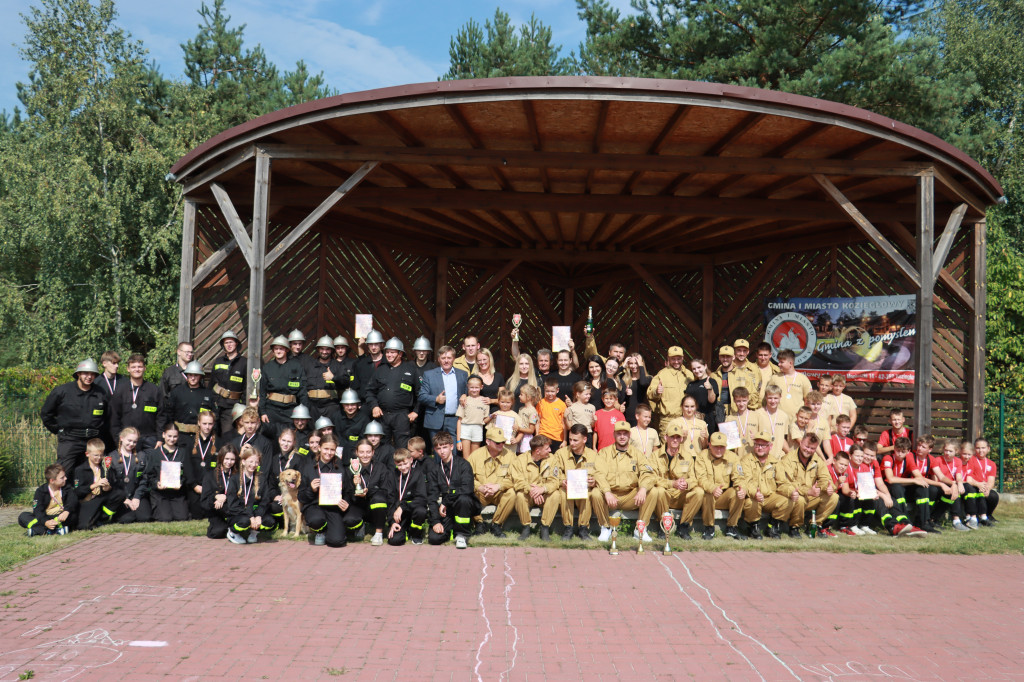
pixel 247 506
pixel 491 378
pixel 525 375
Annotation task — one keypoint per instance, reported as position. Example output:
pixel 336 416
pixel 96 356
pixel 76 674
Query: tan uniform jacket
pixel 794 389
pixel 758 477
pixel 660 470
pixel 712 473
pixel 791 474
pixel 777 425
pixel 740 377
pixel 669 403
pixel 564 461
pixel 487 469
pixel 527 473
pixel 617 472
pixel 748 424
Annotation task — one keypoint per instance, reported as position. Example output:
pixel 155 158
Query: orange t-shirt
pixel 552 422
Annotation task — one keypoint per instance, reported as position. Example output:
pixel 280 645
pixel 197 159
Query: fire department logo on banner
pixel 791 331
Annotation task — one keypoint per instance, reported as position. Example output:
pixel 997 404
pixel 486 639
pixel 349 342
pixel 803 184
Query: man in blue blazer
pixel 440 391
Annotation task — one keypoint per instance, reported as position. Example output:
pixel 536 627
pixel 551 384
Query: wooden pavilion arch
pixel 674 208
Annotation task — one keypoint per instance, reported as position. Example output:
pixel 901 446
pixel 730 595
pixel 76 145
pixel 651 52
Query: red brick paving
pixel 295 612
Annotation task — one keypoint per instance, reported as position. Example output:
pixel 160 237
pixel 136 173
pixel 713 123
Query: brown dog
pixel 289 484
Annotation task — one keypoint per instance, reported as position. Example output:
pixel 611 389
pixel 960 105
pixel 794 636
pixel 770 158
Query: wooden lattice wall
pixel 323 281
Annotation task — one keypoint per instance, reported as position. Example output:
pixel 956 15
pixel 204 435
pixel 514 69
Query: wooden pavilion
pixel 674 208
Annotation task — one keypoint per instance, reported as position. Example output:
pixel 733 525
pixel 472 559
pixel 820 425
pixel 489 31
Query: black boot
pixel 683 531
pixel 482 528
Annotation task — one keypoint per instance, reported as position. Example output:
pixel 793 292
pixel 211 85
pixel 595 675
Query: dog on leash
pixel 289 484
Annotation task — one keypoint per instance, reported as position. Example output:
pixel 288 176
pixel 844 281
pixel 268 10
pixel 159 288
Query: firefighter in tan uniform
pixel 618 481
pixel 759 483
pixel 671 470
pixel 492 480
pixel 803 477
pixel 775 421
pixel 732 375
pixel 667 389
pixel 719 474
pixel 536 482
pixel 576 456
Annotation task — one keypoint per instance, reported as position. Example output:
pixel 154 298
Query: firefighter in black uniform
pixel 282 386
pixel 326 521
pixel 349 428
pixel 100 493
pixel 392 394
pixel 408 497
pixel 347 362
pixel 174 375
pixel 128 468
pixel 136 403
pixel 451 502
pixel 296 342
pixel 75 412
pixel 227 380
pixel 421 351
pixel 367 364
pixel 325 381
pixel 184 404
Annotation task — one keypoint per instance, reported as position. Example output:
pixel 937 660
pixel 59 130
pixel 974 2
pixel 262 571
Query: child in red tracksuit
pixel 900 472
pixel 947 472
pixel 979 482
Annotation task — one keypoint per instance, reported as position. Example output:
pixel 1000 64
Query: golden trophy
pixel 667 523
pixel 614 521
pixel 641 528
pixel 355 467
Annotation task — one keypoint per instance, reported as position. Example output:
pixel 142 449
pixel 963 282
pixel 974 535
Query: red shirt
pixel 980 469
pixel 888 437
pixel 604 426
pixel 840 444
pixel 899 469
pixel 922 464
pixel 837 480
pixel 949 469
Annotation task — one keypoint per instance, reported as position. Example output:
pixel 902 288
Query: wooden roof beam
pixel 567 256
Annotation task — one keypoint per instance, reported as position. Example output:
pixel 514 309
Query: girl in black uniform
pixel 128 467
pixel 215 492
pixel 371 485
pixel 326 521
pixel 247 504
pixel 169 504
pixel 203 457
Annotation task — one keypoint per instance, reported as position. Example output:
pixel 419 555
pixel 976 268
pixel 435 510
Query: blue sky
pixel 358 44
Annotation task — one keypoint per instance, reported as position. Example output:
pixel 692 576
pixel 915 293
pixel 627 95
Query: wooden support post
pixel 234 222
pixel 188 260
pixel 976 338
pixel 257 267
pixel 441 304
pixel 708 313
pixel 946 240
pixel 925 304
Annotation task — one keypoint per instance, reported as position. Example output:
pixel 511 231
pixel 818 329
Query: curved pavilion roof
pixel 590 164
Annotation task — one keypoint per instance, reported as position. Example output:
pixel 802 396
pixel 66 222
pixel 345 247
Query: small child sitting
pixel 54 505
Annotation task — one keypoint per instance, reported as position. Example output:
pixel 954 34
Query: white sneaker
pixel 647 538
pixel 235 538
pixel 320 539
pixel 253 536
pixel 856 530
pixel 868 531
pixel 62 530
pixel 973 524
pixel 460 542
pixel 606 534
pixel 377 540
pixel 959 525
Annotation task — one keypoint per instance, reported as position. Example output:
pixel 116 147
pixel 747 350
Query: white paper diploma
pixel 364 325
pixel 560 338
pixel 576 484
pixel 330 489
pixel 866 485
pixel 732 434
pixel 524 444
pixel 170 474
pixel 505 424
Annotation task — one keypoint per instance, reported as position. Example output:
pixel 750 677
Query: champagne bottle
pixel 590 321
pixel 813 532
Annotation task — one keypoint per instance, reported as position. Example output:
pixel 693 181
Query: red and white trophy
pixel 517 320
pixel 641 528
pixel 667 523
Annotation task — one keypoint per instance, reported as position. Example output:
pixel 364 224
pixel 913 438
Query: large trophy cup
pixel 667 523
pixel 517 320
pixel 615 519
pixel 355 467
pixel 641 528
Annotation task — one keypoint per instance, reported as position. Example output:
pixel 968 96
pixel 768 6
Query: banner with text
pixel 869 339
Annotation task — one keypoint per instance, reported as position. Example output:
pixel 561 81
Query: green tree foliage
pixel 499 49
pixel 850 51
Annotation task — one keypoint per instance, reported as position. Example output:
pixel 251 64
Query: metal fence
pixel 1004 428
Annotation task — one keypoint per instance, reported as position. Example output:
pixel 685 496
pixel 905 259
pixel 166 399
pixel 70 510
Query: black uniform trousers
pixel 242 523
pixel 70 453
pixel 217 528
pixel 100 509
pixel 457 520
pixel 169 505
pixel 26 518
pixel 225 427
pixel 945 504
pixel 413 520
pixel 898 512
pixel 978 504
pixel 363 509
pixel 144 514
pixel 280 415
pixel 920 502
pixel 325 407
pixel 397 428
pixel 328 520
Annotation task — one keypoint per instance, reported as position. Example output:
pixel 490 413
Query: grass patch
pixel 1005 538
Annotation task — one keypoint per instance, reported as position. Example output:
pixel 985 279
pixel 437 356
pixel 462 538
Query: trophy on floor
pixel 641 528
pixel 517 320
pixel 667 523
pixel 614 520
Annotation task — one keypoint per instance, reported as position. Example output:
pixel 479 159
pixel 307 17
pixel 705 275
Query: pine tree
pixel 499 49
